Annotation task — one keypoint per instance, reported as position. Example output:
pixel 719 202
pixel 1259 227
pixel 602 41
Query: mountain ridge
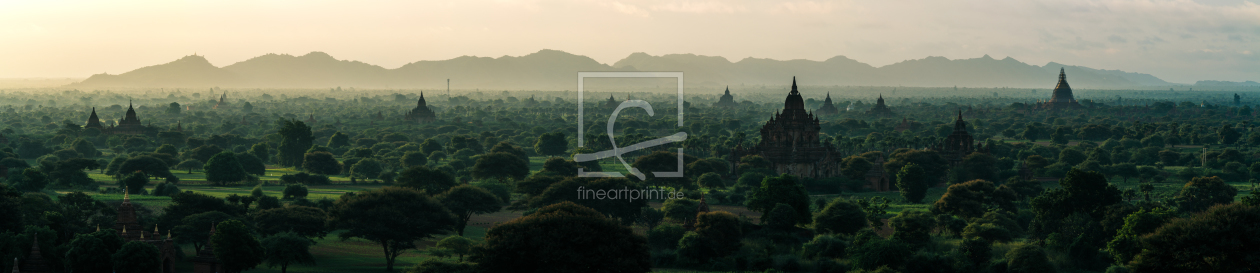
pixel 556 70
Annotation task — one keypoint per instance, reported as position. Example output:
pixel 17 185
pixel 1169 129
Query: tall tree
pixel 423 178
pixel 717 235
pixel 458 244
pixel 1203 192
pixel 507 147
pixel 188 203
pixel 465 201
pixel 295 139
pixel 1079 191
pixel 321 163
pixel 500 166
pixel 224 168
pixel 304 221
pixel 134 183
pixel 970 199
pixel 392 217
pixel 912 183
pixel 190 165
pixel 136 256
pixel 783 189
pixel 69 173
pixel 88 254
pixel 287 248
pixel 555 239
pixel 368 168
pixel 338 140
pixel 413 159
pixel 195 228
pixel 149 165
pixel 587 195
pixel 1221 239
pixel 235 247
pixel 261 150
pixel 840 216
pixel 553 144
pixel 252 164
pixel 1228 135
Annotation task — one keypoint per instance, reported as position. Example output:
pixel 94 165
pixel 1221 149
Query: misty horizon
pixel 1178 41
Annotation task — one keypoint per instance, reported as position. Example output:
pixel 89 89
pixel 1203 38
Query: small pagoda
pixel 422 113
pixel 827 108
pixel 726 101
pixel 1062 97
pixel 880 109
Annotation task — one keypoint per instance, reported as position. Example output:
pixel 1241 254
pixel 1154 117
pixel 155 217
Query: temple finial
pixel 793 83
pixel 127 194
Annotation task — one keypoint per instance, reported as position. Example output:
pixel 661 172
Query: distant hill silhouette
pixel 1226 83
pixel 556 70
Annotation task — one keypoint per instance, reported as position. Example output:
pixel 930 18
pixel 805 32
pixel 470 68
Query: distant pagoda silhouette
pixel 828 108
pixel 422 113
pixel 223 103
pixel 904 125
pixel 611 103
pixel 94 121
pixel 959 143
pixel 880 108
pixel 128 125
pixel 726 100
pixel 1062 97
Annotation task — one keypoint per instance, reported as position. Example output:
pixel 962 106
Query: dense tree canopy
pixel 559 238
pixel 783 189
pixel 1220 239
pixel 423 178
pixel 236 247
pixel 224 168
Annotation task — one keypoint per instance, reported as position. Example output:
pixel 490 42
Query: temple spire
pixel 127 194
pixel 728 89
pixel 793 86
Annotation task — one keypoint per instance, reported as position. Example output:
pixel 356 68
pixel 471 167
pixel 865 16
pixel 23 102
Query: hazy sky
pixel 1179 41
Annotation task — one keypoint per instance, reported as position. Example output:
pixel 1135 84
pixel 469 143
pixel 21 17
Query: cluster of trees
pixel 488 140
